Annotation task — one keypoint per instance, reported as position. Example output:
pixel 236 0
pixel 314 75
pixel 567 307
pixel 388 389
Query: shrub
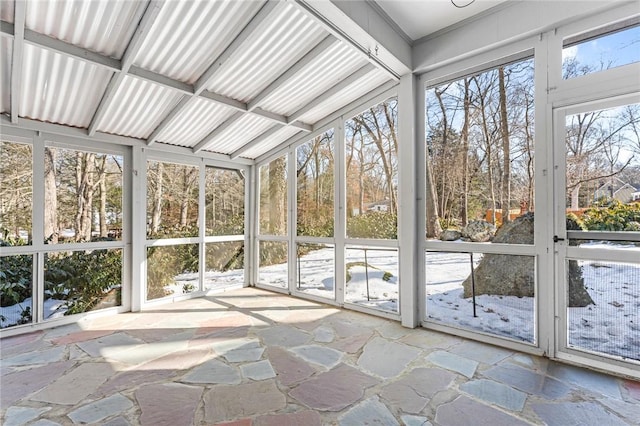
pixel 612 216
pixel 373 225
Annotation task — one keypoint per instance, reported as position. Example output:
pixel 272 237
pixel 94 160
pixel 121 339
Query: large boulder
pixel 510 275
pixel 479 231
pixel 450 235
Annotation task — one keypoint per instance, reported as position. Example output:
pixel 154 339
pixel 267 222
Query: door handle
pixel 556 239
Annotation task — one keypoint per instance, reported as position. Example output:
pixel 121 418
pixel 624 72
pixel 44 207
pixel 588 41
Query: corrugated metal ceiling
pixel 193 74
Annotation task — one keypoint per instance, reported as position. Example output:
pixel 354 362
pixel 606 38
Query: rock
pixel 510 275
pixel 479 231
pixel 450 235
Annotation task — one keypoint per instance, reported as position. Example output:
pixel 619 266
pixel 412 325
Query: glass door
pixel 597 231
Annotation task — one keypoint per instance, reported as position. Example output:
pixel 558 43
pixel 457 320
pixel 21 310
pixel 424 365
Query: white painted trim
pixel 19 14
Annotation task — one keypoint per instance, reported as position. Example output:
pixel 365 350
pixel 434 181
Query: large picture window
pixel 372 172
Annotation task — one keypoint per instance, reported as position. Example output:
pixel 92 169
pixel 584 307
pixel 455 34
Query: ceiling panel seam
pixel 217 131
pixel 255 141
pixel 16 63
pixel 142 30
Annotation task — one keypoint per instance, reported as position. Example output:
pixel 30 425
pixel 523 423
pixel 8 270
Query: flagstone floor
pixel 251 357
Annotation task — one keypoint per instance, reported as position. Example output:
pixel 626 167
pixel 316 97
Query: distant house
pixel 618 190
pixel 379 206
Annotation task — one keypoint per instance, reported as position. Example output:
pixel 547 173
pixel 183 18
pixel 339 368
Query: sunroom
pixel 466 167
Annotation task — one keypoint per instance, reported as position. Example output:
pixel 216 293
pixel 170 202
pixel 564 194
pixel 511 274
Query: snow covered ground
pixel 611 326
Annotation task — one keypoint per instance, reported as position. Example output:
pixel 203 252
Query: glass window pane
pixel 224 265
pixel 315 185
pixel 601 53
pixel 480 153
pixel 172 200
pixel 83 196
pixel 16 189
pixel 16 290
pixel 504 293
pixel 602 307
pixel 315 267
pixel 273 197
pixel 81 281
pixel 603 170
pixel 225 202
pixel 273 263
pixel 172 270
pixel 372 172
pixel 372 278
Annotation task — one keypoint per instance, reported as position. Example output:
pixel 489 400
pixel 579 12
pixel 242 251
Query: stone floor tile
pixel 409 420
pixel 368 412
pixel 453 362
pixel 430 340
pixel 30 358
pixel 118 421
pixel 76 384
pixel 633 388
pixel 386 359
pixel 241 422
pixel 18 416
pixel 260 370
pixel 24 382
pixel 344 328
pixel 464 411
pixel 300 418
pixel 575 413
pixel 182 360
pixel 528 381
pixel 350 345
pixel 101 346
pixel 496 393
pixel 320 355
pixel 131 379
pixel 213 371
pixel 283 335
pixel 243 350
pixel 481 352
pixel 224 403
pixel 333 390
pixel 630 411
pixel 26 347
pixel 591 380
pixel 80 336
pixel 392 330
pixel 168 404
pixel 324 334
pixel 21 339
pixel 45 422
pixel 289 368
pixel 100 409
pixel 414 390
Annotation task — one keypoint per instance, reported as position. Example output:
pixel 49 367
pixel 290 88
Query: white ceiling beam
pixel 149 14
pixel 205 79
pixel 318 50
pixel 254 142
pixel 207 140
pixel 161 80
pixel 16 59
pixel 359 25
pixel 352 78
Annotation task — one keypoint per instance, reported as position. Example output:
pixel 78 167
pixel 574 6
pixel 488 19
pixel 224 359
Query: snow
pixel 611 326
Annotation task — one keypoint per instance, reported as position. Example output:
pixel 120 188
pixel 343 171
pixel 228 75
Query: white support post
pixel 137 204
pixel 250 227
pixel 127 232
pixel 340 216
pixel 291 219
pixel 407 196
pixel 37 230
pixel 420 196
pixel 202 224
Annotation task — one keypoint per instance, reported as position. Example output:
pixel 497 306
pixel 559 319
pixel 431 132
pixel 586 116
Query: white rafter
pixel 206 78
pixel 318 50
pixel 206 141
pixel 149 16
pixel 255 141
pixel 343 84
pixel 16 63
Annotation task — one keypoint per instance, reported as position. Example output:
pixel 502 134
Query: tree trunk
pixel 506 148
pixel 102 176
pixel 50 197
pixel 156 212
pixel 277 188
pixel 464 214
